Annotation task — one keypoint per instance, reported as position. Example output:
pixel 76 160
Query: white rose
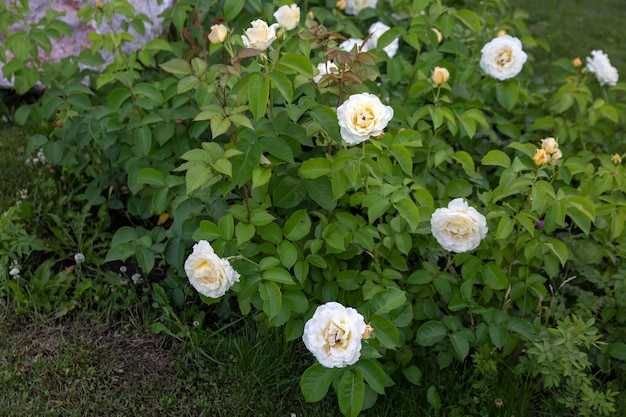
pixel 324 68
pixel 377 30
pixel 600 65
pixel 458 228
pixel 502 57
pixel 362 116
pixel 353 7
pixel 260 36
pixel 288 17
pixel 333 335
pixel 209 274
pixel 218 33
pixel 350 43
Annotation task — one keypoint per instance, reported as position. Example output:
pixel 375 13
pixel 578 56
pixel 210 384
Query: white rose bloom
pixel 325 68
pixel 353 7
pixel 260 36
pixel 350 43
pixel 458 228
pixel 333 335
pixel 209 274
pixel 377 30
pixel 600 65
pixel 362 116
pixel 503 58
pixel 218 33
pixel 288 17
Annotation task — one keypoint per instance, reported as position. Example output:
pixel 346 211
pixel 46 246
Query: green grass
pixel 15 174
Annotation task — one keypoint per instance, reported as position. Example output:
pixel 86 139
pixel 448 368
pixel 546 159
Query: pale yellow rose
pixel 288 17
pixel 209 274
pixel 440 75
pixel 218 33
pixel 362 116
pixel 503 58
pixel 458 227
pixel 555 156
pixel 260 36
pixel 550 145
pixel 541 157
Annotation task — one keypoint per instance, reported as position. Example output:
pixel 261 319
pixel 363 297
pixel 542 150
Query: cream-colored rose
pixel 288 17
pixel 458 227
pixel 353 7
pixel 600 65
pixel 377 30
pixel 503 58
pixel 350 43
pixel 325 68
pixel 362 116
pixel 550 145
pixel 541 157
pixel 440 75
pixel 555 156
pixel 260 36
pixel 218 33
pixel 209 274
pixel 333 335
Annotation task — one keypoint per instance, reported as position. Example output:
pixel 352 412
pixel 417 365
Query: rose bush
pixel 440 229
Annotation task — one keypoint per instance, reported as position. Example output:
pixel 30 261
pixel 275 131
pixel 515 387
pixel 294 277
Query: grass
pixel 102 364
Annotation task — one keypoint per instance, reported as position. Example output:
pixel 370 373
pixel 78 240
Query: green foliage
pixel 196 141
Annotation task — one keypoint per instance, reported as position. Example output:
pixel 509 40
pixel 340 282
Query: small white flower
pixel 79 258
pixel 260 36
pixel 218 33
pixel 325 68
pixel 353 7
pixel 503 58
pixel 209 274
pixel 15 269
pixel 123 269
pixel 377 30
pixel 136 278
pixel 288 17
pixel 23 194
pixel 196 323
pixel 333 335
pixel 600 65
pixel 350 43
pixel 459 227
pixel 362 116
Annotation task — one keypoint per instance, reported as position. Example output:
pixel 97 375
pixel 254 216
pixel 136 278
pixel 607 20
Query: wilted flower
pixel 353 7
pixel 324 68
pixel 576 62
pixel 377 30
pixel 541 157
pixel 616 159
pixel 209 274
pixel 218 33
pixel 440 75
pixel 260 36
pixel 438 33
pixel 503 57
pixel 333 335
pixel 458 227
pixel 362 116
pixel 288 17
pixel 79 258
pixel 600 65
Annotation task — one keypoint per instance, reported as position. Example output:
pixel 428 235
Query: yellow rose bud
pixel 541 157
pixel 368 332
pixel 501 33
pixel 550 145
pixel 438 33
pixel 616 159
pixel 310 15
pixel 341 4
pixel 218 33
pixel 440 75
pixel 576 62
pixel 98 4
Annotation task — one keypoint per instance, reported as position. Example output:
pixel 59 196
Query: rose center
pixel 364 118
pixel 458 230
pixel 336 337
pixel 504 57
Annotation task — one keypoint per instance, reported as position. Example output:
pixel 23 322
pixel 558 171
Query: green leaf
pixel 496 157
pixel 232 8
pixel 279 275
pixel 351 393
pixel 413 374
pixel 272 298
pixel 559 249
pixel 374 374
pixel 314 168
pixel 403 156
pixel 385 332
pixel 246 161
pixel 244 232
pixel 315 382
pixel 176 66
pixel 151 176
pixel 321 191
pixel 507 93
pixel 226 225
pixel 387 300
pixel 460 345
pixel 522 327
pixel 431 333
pixel 258 94
pixel 326 119
pixel 617 350
pixel 219 125
pixel 494 277
pixel 297 226
pixel 282 84
pixel 298 63
pixel 469 19
pixel 466 162
pixel 287 253
pixel 409 212
pixel 433 399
